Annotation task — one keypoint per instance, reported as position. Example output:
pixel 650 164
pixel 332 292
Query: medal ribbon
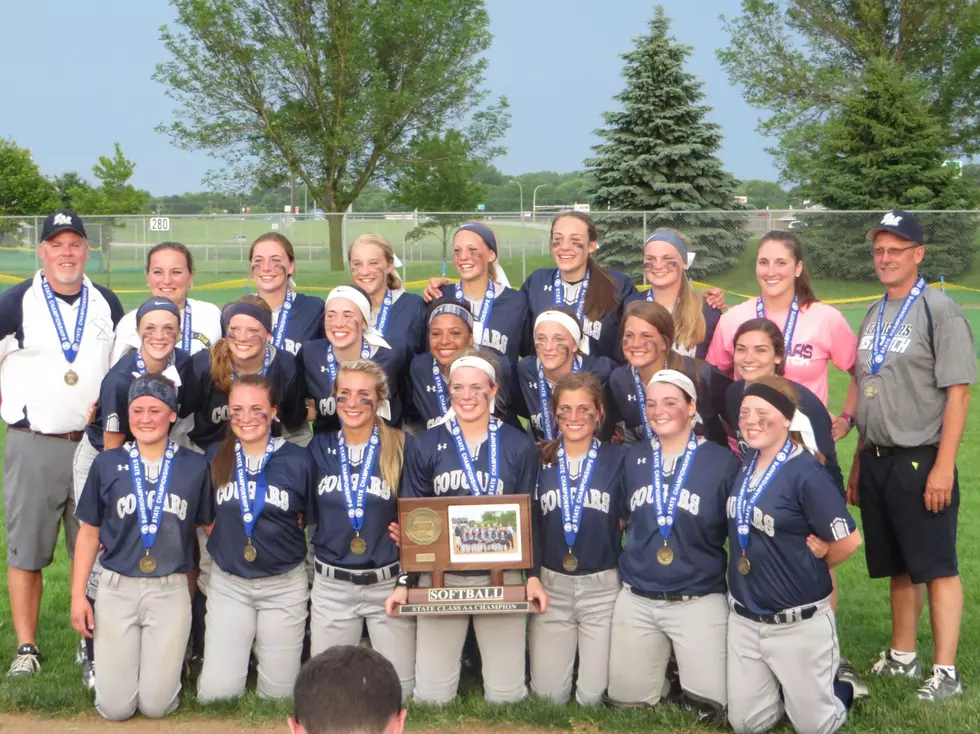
pixel 744 503
pixel 560 292
pixel 279 335
pixel 251 509
pixel 382 321
pixel 789 327
pixel 150 519
pixel 332 360
pixel 355 502
pixel 68 347
pixel 440 386
pixel 880 346
pixel 483 320
pixel 665 500
pixel 464 458
pixel 571 507
pixel 641 401
pixel 187 334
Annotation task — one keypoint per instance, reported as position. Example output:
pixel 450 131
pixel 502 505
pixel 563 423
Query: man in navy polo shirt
pixel 56 335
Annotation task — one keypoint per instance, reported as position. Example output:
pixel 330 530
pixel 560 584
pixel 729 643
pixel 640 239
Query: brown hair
pixel 222 363
pixel 788 389
pixel 572 381
pixel 603 295
pixel 279 239
pixel 804 289
pixel 176 247
pixel 689 325
pixel 223 463
pixel 393 281
pixel 770 329
pixel 660 319
pixel 392 440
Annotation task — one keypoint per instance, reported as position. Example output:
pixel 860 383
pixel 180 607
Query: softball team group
pixel 238 484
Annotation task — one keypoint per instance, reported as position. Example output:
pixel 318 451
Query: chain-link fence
pixel 837 255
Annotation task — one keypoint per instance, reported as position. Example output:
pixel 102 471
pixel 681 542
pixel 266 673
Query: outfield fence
pixel 837 254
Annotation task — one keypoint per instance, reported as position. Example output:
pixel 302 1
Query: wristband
pixel 849 418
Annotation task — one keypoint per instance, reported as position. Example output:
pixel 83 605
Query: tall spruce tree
pixel 883 150
pixel 658 156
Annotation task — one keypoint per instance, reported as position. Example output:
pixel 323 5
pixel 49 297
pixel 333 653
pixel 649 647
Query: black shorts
pixel 900 535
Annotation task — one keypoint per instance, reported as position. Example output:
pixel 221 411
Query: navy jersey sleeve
pixel 526 374
pixel 418 470
pixel 205 507
pixel 114 399
pixel 292 392
pixel 824 507
pixel 12 309
pixel 537 532
pixel 627 290
pixel 115 307
pixel 529 467
pixel 813 408
pixel 711 318
pixel 733 404
pixel 90 507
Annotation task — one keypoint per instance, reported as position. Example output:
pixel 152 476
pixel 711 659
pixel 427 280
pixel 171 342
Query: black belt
pixel 662 595
pixel 358 578
pixel 883 451
pixel 796 615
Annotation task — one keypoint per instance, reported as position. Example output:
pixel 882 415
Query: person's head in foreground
pixel 347 690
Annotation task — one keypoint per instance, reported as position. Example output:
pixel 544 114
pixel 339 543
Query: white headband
pixel 563 319
pixel 677 379
pixel 802 424
pixel 371 335
pixel 479 362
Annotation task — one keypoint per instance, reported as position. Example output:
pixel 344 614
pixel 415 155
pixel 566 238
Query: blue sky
pixel 77 78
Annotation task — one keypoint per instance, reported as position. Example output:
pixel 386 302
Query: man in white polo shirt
pixel 56 334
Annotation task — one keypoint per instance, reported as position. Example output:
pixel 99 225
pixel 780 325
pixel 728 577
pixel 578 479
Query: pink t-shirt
pixel 821 335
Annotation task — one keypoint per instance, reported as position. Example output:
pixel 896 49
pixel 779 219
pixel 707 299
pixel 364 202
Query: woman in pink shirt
pixel 814 332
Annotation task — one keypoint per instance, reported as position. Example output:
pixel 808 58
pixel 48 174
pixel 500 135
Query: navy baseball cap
pixel 901 224
pixel 62 221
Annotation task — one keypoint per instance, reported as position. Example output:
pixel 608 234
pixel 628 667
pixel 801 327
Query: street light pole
pixel 534 199
pixel 515 181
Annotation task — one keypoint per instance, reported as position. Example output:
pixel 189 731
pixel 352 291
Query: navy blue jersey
pixel 710 385
pixel 279 536
pixel 319 385
pixel 801 500
pixel 604 334
pixel 599 539
pixel 210 407
pixel 108 501
pixel 425 400
pixel 407 323
pixel 699 529
pixel 811 406
pixel 433 469
pixel 529 403
pixel 112 407
pixel 711 317
pixel 331 541
pixel 305 322
pixel 509 330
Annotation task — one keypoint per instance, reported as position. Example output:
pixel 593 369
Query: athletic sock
pixel 903 657
pixel 949 670
pixel 845 692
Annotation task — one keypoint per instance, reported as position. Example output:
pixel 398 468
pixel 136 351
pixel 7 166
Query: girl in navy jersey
pixel 141 502
pixel 596 295
pixel 577 538
pixel 259 589
pixel 170 274
pixel 471 452
pixel 787 526
pixel 648 330
pixel 501 319
pixel 560 348
pixel 665 262
pixel 296 317
pixel 673 562
pixel 349 337
pixel 359 471
pixel 245 349
pixel 396 315
pixel 450 333
pixel 760 352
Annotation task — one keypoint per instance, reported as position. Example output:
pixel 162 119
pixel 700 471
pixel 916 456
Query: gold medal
pixel 744 566
pixel 71 377
pixel 148 564
pixel 665 556
pixel 870 390
pixel 358 545
pixel 250 553
pixel 569 562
